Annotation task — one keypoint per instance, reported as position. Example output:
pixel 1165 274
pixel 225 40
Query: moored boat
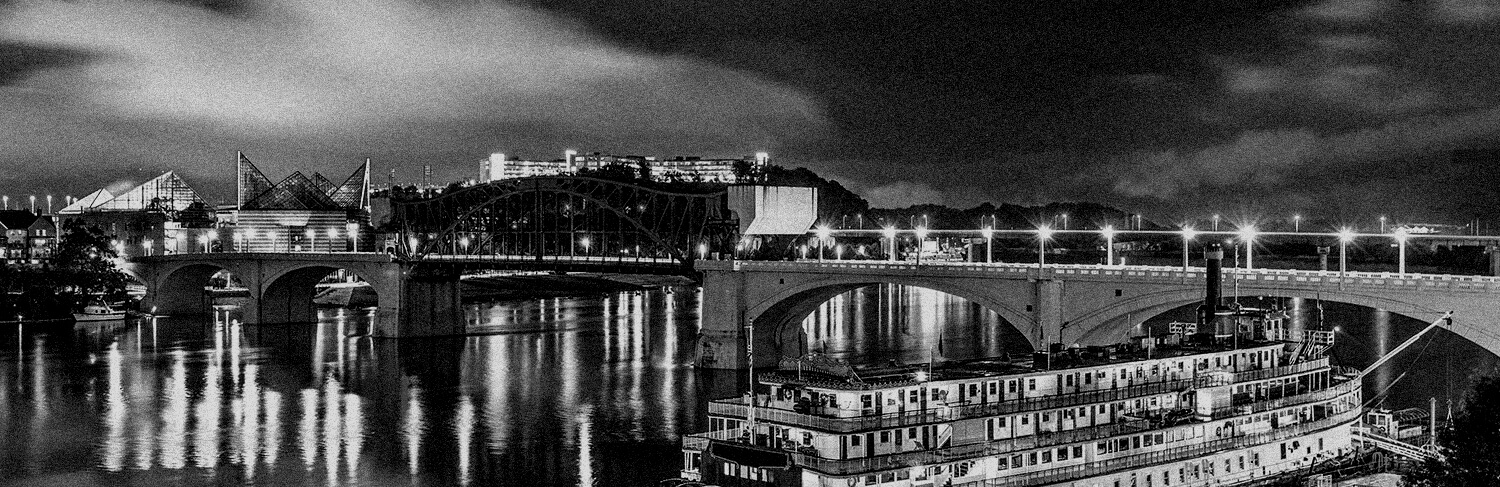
pixel 99 312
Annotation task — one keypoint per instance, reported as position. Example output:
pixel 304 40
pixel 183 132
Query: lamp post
pixel 312 241
pixel 146 246
pixel 353 229
pixel 1216 222
pixel 1042 234
pixel 33 204
pixel 823 235
pixel 333 234
pixel 585 243
pixel 1109 245
pixel 49 204
pixel 921 241
pixel 1382 223
pixel 1401 251
pixel 1345 236
pixel 890 236
pixel 989 239
pixel 1187 236
pixel 1297 223
pixel 838 252
pixel 1065 221
pixel 1247 234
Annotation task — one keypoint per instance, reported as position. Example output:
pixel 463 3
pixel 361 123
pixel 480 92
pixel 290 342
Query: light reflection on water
pixel 556 391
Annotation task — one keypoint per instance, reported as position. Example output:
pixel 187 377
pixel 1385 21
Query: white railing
pixel 1460 282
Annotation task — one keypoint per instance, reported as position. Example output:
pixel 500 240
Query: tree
pixel 86 259
pixel 644 168
pixel 744 171
pixel 1471 442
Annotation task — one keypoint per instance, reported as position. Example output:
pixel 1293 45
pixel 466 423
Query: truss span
pixel 566 216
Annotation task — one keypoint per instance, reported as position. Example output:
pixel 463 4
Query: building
pixel 680 168
pixel 28 238
pixel 161 215
pixel 297 214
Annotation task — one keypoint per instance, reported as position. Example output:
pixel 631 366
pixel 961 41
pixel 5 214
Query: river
pixel 556 391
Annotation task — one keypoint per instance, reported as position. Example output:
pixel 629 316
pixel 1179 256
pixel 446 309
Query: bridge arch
pixel 1108 324
pixel 179 289
pixel 286 294
pixel 778 318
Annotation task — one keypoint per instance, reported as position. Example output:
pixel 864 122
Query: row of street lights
pixel 1246 235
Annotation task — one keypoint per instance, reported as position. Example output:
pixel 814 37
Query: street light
pixel 1042 234
pixel 702 251
pixel 585 243
pixel 1109 245
pixel 353 229
pixel 1065 221
pixel 311 239
pixel 890 236
pixel 1248 235
pixel 1401 251
pixel 1345 236
pixel 1382 223
pixel 838 252
pixel 921 241
pixel 1187 236
pixel 823 235
pixel 1297 223
pixel 803 247
pixel 989 239
pixel 1216 222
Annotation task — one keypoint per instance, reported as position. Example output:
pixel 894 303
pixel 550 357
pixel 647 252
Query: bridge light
pixel 922 233
pixel 803 248
pixel 464 242
pixel 987 232
pixel 1044 232
pixel 1188 233
pixel 1346 235
pixel 1247 233
pixel 890 232
pixel 1108 231
pixel 1401 234
pixel 702 251
pixel 585 243
pixel 920 376
pixel 823 233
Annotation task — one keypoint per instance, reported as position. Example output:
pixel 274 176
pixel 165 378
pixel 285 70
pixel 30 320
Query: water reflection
pixel 588 391
pixel 883 323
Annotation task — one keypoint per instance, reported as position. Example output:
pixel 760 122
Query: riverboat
pixel 99 312
pixel 1234 398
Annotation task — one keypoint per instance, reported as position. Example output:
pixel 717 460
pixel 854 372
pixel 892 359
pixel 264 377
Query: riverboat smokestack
pixel 1213 296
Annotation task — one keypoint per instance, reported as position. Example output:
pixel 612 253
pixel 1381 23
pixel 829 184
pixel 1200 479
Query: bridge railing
pixel 520 258
pixel 1478 283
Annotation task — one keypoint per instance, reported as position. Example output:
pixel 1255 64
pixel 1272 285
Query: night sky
pixel 1339 110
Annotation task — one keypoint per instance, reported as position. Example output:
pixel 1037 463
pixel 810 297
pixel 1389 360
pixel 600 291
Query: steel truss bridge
pixel 566 223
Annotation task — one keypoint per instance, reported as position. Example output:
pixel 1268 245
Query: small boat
pixel 99 312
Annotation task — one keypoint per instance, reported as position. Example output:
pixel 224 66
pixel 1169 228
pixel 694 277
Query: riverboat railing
pixel 736 407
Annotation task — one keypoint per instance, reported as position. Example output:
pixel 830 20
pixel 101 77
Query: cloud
pixel 1262 159
pixel 392 75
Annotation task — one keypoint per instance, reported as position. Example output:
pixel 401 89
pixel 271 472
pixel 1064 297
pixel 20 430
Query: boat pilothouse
pixel 1233 397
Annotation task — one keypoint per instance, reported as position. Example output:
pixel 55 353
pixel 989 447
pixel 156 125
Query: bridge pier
pixel 429 306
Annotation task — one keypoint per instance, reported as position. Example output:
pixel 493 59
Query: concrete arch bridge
pixel 1087 305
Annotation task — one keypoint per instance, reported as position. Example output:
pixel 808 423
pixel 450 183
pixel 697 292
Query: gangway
pixel 1408 450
